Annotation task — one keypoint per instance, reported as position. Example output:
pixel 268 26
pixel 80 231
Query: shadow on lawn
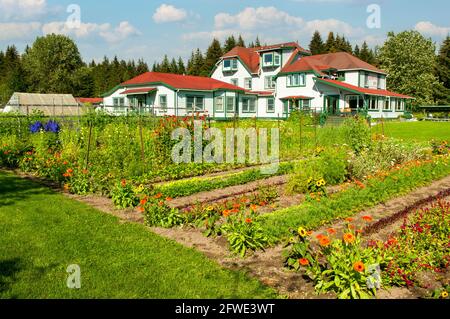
pixel 8 270
pixel 13 189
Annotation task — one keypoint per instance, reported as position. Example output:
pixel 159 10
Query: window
pixel 352 101
pixel 248 83
pixel 276 59
pixel 286 107
pixel 387 104
pixel 296 80
pixel 230 65
pixel 230 104
pixel 381 103
pixel 195 103
pixel 269 82
pixel 163 102
pixel 235 82
pixel 366 80
pixel 373 104
pixel 306 104
pixel 379 82
pixel 248 105
pixel 270 105
pixel 399 105
pixel 119 101
pixel 341 76
pixel 393 103
pixel 219 104
pixel 268 59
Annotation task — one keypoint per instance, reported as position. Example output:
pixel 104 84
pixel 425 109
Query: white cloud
pixel 169 13
pixel 22 9
pixel 431 29
pixel 253 18
pixel 105 30
pixel 14 31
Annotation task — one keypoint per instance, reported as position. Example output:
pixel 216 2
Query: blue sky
pixel 150 28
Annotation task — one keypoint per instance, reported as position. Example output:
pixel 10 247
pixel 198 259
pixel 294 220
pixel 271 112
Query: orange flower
pixel 325 241
pixel 248 221
pixel 253 207
pixel 262 204
pixel 168 199
pixel 351 227
pixel 349 238
pixel 69 171
pixel 367 218
pixel 331 231
pixel 161 204
pixel 158 196
pixel 123 183
pixel 144 201
pixel 303 262
pixel 359 266
pixel 141 209
pixel 320 236
pixel 226 213
pixel 349 220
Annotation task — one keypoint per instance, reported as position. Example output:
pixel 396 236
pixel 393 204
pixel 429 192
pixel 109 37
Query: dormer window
pixel 271 59
pixel 230 65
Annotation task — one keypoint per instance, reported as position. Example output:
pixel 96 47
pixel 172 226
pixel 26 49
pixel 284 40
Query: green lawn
pixel 416 131
pixel 43 232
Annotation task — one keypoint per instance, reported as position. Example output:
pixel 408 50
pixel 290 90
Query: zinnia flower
pixel 254 207
pixel 303 262
pixel 158 196
pixel 367 218
pixel 226 213
pixel 359 266
pixel 123 183
pixel 331 231
pixel 248 221
pixel 349 238
pixel 325 241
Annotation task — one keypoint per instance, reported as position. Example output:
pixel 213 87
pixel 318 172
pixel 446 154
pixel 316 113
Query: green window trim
pixel 233 65
pixel 290 80
pixel 228 104
pixel 216 108
pixel 270 101
pixel 275 60
pixel 162 103
pixel 270 79
pixel 194 104
pixel 246 104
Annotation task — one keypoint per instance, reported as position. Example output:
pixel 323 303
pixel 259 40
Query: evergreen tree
pixel 357 51
pixel 366 54
pixel 197 63
pixel 181 67
pixel 213 55
pixel 317 46
pixel 141 67
pixel 165 65
pixel 240 42
pixel 230 44
pixel 190 65
pixel 330 45
pixel 174 66
pixel 257 42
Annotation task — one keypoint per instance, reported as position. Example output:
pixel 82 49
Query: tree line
pixel 53 64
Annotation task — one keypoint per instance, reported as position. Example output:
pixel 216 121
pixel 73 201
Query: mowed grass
pixel 42 233
pixel 416 131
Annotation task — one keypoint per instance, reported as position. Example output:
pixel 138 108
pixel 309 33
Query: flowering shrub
pixel 440 148
pixel 125 195
pixel 335 265
pixel 157 212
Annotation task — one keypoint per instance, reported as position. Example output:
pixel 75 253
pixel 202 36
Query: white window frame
pixel 194 107
pixel 163 105
pixel 269 82
pixel 308 106
pixel 269 100
pixel 233 99
pixel 221 109
pixel 276 59
pixel 271 63
pixel 248 83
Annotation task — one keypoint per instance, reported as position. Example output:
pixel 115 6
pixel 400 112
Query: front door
pixel 332 104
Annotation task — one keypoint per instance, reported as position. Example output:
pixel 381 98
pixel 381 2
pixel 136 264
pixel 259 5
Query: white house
pixel 287 77
pixel 264 82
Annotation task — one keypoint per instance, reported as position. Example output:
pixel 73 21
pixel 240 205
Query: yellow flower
pixel 302 232
pixel 444 294
pixel 209 208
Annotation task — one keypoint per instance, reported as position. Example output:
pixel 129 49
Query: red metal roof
pixel 339 61
pixel 297 97
pixel 177 81
pixel 358 89
pixel 259 92
pixel 251 57
pixel 92 100
pixel 137 91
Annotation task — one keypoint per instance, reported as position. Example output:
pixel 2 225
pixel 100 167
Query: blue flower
pixel 36 127
pixel 52 126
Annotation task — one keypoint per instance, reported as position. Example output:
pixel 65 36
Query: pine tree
pixel 213 54
pixel 356 52
pixel 330 45
pixel 240 42
pixel 141 67
pixel 165 65
pixel 198 62
pixel 181 67
pixel 366 54
pixel 174 66
pixel 190 64
pixel 230 44
pixel 257 42
pixel 317 46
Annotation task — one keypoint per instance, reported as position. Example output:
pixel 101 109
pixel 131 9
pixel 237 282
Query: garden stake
pixel 89 145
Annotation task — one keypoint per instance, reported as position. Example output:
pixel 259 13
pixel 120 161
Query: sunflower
pixel 359 266
pixel 302 232
pixel 444 294
pixel 349 238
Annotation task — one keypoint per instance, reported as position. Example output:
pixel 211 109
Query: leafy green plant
pixel 244 233
pixel 157 212
pixel 357 133
pixel 124 195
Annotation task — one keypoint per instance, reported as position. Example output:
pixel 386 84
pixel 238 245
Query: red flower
pixel 123 183
pixel 248 221
pixel 331 231
pixel 367 218
pixel 359 266
pixel 303 262
pixel 324 241
pixel 158 196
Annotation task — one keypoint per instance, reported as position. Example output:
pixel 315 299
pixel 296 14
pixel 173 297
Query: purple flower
pixel 52 126
pixel 36 127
